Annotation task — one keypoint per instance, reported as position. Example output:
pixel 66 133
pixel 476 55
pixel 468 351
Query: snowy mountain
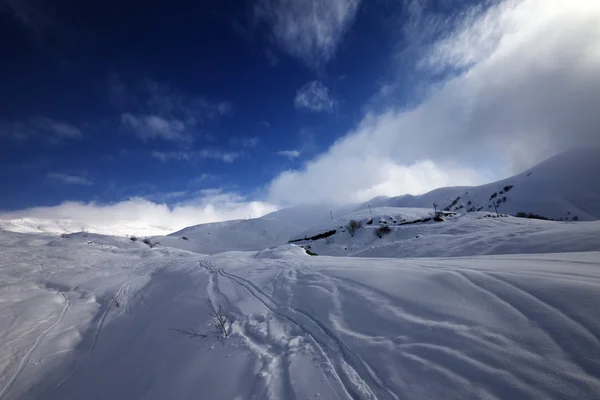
pixel 564 187
pixel 60 226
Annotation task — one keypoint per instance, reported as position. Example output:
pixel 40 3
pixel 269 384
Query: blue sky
pixel 151 97
pixel 241 107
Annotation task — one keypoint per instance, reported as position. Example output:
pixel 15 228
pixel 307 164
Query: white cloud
pixel 68 179
pixel 341 178
pixel 60 130
pixel 310 30
pixel 40 127
pixel 291 154
pixel 524 86
pixel 152 126
pixel 143 217
pixel 156 110
pixel 314 96
pixel 195 155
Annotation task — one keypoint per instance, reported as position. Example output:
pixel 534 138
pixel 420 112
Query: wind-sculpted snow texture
pixel 94 317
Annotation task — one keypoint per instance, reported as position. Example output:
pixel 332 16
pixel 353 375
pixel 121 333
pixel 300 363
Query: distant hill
pixel 565 187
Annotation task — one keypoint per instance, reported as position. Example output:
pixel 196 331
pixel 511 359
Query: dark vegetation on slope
pixel 353 226
pixel 382 231
pixel 150 243
pixel 309 252
pixel 316 237
pixel 531 216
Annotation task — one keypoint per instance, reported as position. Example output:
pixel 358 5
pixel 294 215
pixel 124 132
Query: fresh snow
pixel 494 327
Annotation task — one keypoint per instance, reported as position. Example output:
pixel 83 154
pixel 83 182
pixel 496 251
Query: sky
pixel 171 114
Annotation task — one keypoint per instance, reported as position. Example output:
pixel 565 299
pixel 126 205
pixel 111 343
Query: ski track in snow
pixel 345 362
pixel 38 340
pixel 112 301
pixel 98 328
pixel 360 380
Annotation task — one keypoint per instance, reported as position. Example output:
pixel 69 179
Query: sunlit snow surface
pixel 486 327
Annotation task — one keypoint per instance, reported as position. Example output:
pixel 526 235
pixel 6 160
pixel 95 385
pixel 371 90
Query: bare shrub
pixel 531 216
pixel 308 251
pixel 193 333
pixel 353 226
pixel 218 321
pixel 133 238
pixel 150 243
pixel 382 230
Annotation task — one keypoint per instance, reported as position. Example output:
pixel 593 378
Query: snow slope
pixel 56 295
pixel 475 233
pixel 251 234
pixel 563 187
pixel 301 327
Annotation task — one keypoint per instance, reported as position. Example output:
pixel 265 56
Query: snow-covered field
pixel 93 317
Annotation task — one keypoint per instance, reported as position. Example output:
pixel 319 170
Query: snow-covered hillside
pixel 60 226
pixel 251 234
pixel 56 296
pixel 564 187
pixel 96 317
pixel 413 232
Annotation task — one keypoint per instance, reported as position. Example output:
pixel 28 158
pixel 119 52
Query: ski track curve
pixel 560 313
pixel 38 341
pixel 122 288
pixel 482 338
pixel 345 362
pixel 112 300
